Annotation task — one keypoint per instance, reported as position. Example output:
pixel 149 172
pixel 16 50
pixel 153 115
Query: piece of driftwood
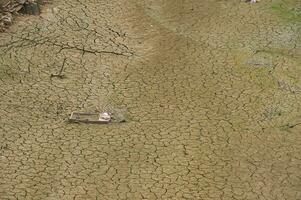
pixel 92 118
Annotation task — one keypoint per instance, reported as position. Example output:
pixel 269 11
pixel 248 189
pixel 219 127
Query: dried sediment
pixel 211 92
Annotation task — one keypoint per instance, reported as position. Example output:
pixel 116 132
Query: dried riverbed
pixel 210 90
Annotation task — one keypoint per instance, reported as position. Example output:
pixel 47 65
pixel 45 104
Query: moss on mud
pixel 289 10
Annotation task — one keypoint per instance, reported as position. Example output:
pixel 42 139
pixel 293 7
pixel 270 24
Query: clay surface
pixel 211 91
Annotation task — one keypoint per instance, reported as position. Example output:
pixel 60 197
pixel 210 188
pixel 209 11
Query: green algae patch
pixel 288 10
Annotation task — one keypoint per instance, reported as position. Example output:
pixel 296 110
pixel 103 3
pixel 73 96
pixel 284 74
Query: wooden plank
pixel 92 118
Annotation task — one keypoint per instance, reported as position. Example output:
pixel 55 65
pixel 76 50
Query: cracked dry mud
pixel 211 90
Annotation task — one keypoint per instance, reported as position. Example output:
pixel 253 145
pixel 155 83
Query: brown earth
pixel 211 90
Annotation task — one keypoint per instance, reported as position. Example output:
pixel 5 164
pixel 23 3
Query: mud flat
pixel 211 91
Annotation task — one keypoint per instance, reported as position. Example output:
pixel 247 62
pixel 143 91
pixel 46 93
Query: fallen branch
pixel 60 75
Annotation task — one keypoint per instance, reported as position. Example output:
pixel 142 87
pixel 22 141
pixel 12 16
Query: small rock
pixel 31 8
pixel 105 116
pixel 7 19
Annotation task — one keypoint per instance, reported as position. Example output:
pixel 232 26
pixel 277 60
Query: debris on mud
pixel 118 117
pixel 97 117
pixel 260 62
pixel 261 59
pixel 9 8
pixel 91 118
pixel 60 75
pixel 253 1
pixel 289 126
pixel 272 112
